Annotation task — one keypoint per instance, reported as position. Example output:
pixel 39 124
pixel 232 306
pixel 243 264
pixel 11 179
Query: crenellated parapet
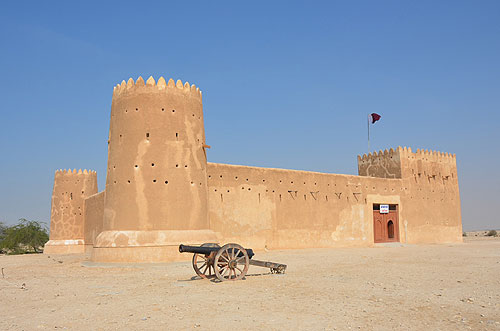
pixel 428 164
pixel 69 172
pixel 382 164
pixel 162 86
pixel 402 162
pixel 428 155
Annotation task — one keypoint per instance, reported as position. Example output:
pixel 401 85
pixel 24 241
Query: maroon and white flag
pixel 374 117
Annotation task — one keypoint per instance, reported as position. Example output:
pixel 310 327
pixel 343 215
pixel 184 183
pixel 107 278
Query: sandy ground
pixel 431 287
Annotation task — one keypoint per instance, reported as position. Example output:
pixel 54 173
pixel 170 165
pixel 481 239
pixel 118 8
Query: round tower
pixel 156 184
pixel 71 188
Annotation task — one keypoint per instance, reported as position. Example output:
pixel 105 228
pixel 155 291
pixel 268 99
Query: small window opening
pixel 166 182
pixel 154 180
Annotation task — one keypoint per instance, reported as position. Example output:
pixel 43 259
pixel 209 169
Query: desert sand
pixel 409 287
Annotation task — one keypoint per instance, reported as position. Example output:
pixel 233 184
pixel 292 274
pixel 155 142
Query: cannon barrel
pixel 197 249
pixel 206 250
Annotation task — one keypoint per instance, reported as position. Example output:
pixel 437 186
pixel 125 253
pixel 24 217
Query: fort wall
pixel 278 208
pixel 67 210
pixel 94 215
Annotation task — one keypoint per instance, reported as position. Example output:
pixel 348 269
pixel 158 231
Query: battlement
pixel 68 172
pixel 392 163
pixel 151 85
pixel 384 153
pixel 383 164
pixel 428 155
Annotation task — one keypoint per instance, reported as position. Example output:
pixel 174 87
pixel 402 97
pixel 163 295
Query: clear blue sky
pixel 285 84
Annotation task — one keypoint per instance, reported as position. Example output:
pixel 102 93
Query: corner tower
pixel 156 184
pixel 67 215
pixel 430 209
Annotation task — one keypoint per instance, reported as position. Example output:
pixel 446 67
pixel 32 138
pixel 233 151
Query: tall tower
pixel 156 184
pixel 67 215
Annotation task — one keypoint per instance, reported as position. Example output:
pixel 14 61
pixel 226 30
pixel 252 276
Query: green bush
pixel 464 234
pixel 3 228
pixel 25 237
pixel 492 233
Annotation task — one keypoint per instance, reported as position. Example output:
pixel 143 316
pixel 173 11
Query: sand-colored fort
pixel 161 191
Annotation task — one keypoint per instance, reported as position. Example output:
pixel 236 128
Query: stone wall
pixel 94 213
pixel 277 208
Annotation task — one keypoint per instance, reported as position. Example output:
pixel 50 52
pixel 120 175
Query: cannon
pixel 229 262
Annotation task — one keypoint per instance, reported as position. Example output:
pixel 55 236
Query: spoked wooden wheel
pixel 203 264
pixel 231 262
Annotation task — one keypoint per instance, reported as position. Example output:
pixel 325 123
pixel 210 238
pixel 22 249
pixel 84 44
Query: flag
pixel 375 117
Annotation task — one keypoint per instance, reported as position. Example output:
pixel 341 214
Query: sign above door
pixel 384 209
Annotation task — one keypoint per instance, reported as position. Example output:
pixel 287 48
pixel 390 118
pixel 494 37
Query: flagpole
pixel 368 122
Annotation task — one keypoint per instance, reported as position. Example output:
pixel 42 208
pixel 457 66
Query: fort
pixel 161 191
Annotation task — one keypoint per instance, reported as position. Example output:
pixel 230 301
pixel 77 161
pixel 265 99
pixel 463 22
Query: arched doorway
pixel 390 229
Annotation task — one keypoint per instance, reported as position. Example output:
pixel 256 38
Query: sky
pixel 286 84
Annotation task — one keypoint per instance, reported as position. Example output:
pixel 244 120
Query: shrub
pixel 25 237
pixel 492 233
pixel 464 234
pixel 3 228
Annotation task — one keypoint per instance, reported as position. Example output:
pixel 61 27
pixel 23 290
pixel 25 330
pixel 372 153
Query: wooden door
pixel 385 226
pixel 378 226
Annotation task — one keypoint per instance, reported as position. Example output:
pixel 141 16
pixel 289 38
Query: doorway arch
pixel 390 229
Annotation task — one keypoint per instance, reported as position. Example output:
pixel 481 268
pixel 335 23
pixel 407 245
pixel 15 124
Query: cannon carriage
pixel 229 262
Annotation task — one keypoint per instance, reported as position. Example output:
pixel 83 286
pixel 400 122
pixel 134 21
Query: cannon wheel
pixel 204 265
pixel 231 262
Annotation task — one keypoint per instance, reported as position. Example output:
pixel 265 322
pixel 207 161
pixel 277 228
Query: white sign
pixel 384 209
